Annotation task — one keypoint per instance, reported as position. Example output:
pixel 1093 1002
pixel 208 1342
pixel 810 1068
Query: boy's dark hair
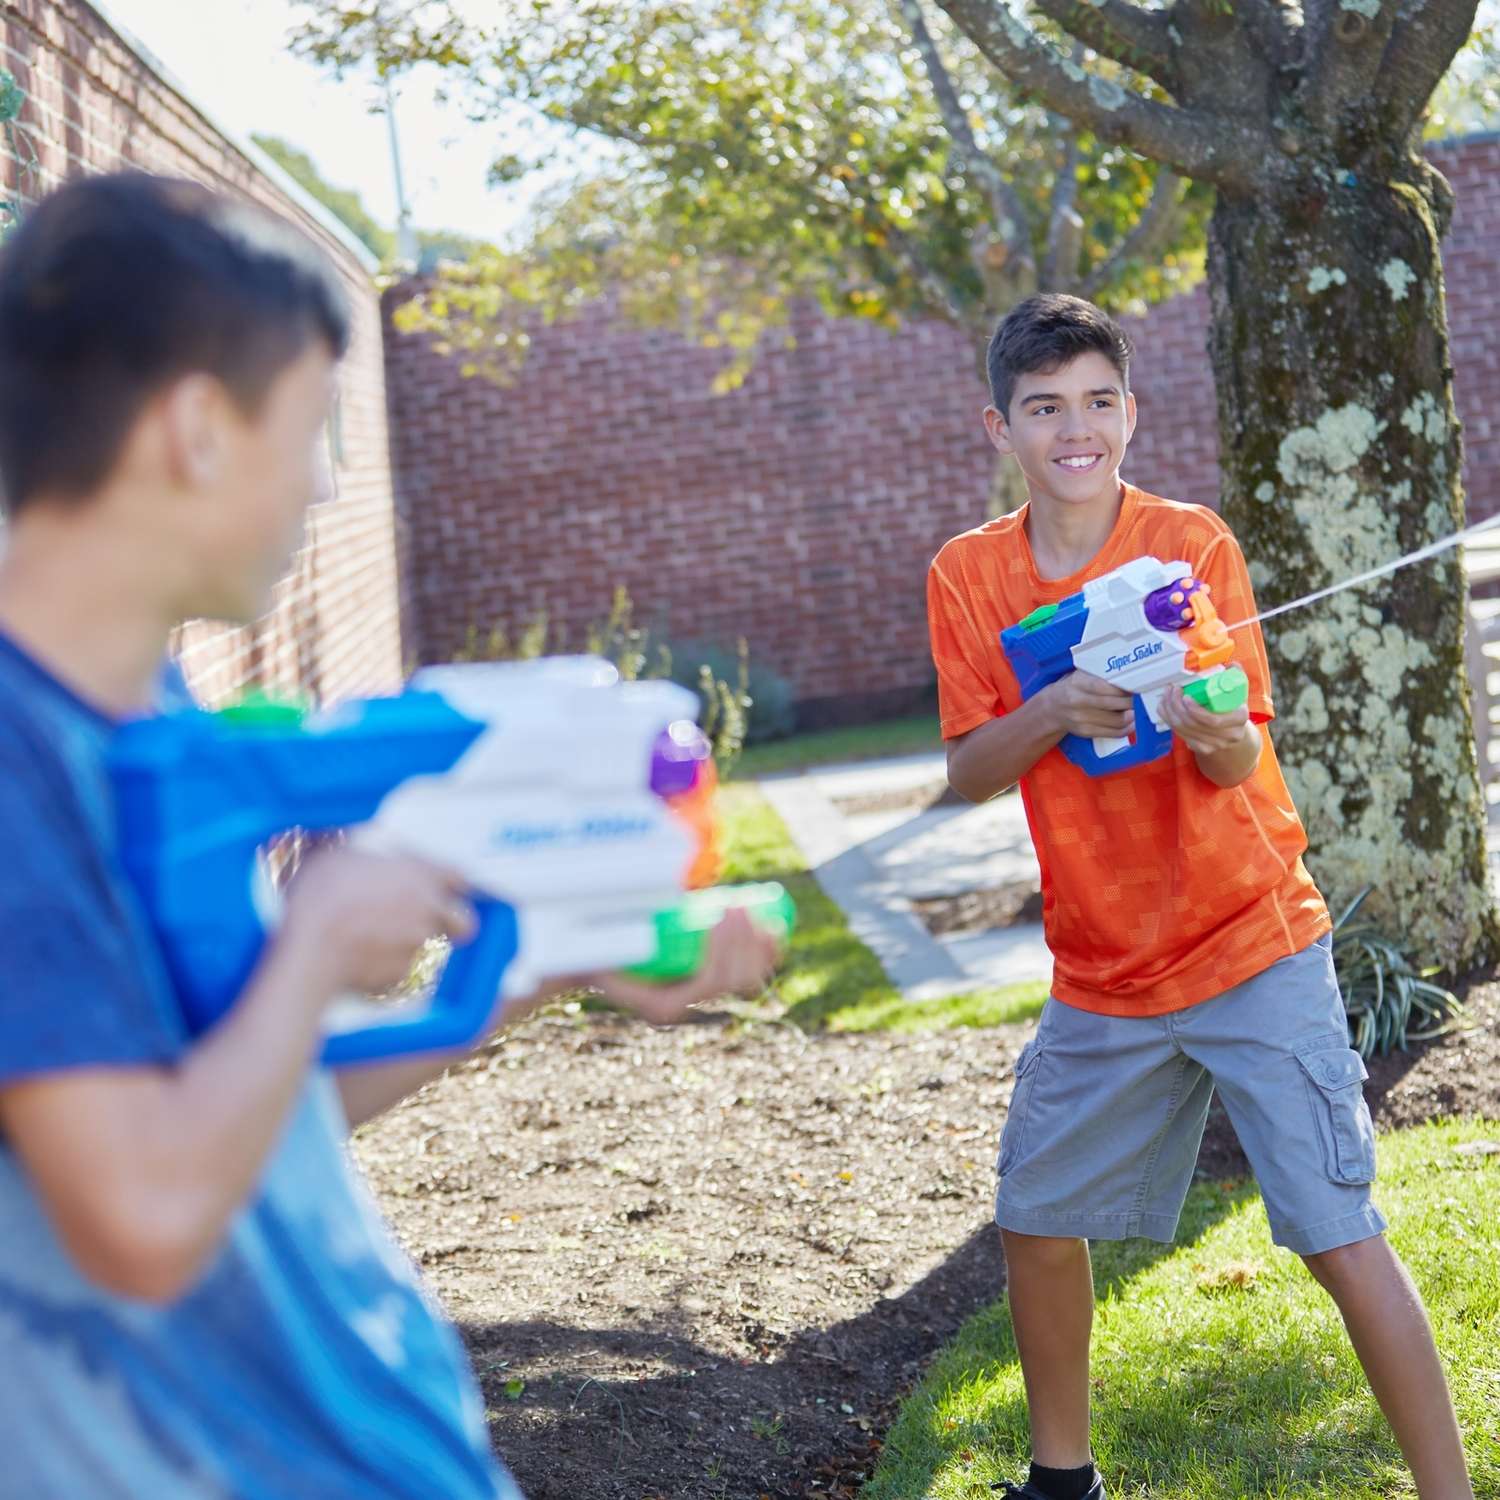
pixel 115 286
pixel 1047 331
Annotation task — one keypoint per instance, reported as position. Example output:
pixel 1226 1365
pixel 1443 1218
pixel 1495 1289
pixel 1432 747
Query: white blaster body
pixel 552 809
pixel 1119 645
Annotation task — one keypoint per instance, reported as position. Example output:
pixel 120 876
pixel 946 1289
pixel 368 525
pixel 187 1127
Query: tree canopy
pixel 860 153
pixel 889 159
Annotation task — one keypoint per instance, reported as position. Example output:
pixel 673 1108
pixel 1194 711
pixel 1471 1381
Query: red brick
pixel 335 629
pixel 801 510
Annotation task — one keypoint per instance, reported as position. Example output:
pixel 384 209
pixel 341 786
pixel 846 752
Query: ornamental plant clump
pixel 723 689
pixel 17 147
pixel 1389 1003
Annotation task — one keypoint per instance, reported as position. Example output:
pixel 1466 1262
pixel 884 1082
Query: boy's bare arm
pixel 1226 745
pixel 989 759
pixel 141 1169
pixel 740 960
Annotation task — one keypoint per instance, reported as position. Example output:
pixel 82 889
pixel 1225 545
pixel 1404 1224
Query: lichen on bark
pixel 1339 445
pixel 1340 450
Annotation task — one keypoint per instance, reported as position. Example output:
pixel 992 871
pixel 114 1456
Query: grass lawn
pixel 828 746
pixel 1221 1371
pixel 830 978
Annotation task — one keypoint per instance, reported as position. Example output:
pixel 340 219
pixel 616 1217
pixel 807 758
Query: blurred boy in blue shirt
pixel 197 1297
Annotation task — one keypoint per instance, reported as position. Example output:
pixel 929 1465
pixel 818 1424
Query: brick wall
pixel 1175 448
pixel 801 510
pixel 1175 451
pixel 99 102
pixel 1471 261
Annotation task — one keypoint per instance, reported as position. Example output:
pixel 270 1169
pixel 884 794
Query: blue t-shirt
pixel 307 1363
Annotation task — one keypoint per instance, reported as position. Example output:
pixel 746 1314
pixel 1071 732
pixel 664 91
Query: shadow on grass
pixel 1204 1393
pixel 930 1437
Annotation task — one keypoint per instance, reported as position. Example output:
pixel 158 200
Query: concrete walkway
pixel 876 863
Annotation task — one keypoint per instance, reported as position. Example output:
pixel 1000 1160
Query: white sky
pixel 232 59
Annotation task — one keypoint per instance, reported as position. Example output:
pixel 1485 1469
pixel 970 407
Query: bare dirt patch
pixel 978 911
pixel 710 1262
pixel 916 798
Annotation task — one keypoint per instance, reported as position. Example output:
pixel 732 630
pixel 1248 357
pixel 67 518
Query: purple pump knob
pixel 677 758
pixel 1167 608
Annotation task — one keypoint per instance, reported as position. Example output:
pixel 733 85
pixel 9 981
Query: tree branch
pixel 1138 39
pixel 1064 226
pixel 1267 22
pixel 1345 47
pixel 1006 208
pixel 935 287
pixel 1152 231
pixel 1425 40
pixel 1191 142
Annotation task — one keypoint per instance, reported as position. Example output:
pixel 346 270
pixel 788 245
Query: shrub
pixel 17 149
pixel 1389 1003
pixel 722 684
pixel 771 705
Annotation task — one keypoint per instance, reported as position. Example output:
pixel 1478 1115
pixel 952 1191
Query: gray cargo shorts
pixel 1108 1111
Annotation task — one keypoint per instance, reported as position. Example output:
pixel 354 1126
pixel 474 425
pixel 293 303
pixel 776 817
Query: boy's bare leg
pixel 1051 1289
pixel 1391 1335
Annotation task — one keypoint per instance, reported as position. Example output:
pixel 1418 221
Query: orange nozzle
pixel 698 811
pixel 1207 637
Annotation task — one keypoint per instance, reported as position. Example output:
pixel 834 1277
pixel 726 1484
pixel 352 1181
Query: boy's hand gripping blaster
pixel 578 808
pixel 1144 627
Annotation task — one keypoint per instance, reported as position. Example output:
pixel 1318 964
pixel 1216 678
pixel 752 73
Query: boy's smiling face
pixel 1068 429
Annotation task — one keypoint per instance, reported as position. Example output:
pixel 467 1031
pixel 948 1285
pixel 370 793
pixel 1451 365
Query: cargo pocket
pixel 1335 1072
pixel 1020 1104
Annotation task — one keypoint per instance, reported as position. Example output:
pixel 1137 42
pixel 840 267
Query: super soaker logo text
pixel 1141 653
pixel 601 826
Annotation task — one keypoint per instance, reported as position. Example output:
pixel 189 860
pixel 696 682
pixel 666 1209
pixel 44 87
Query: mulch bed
pixel 709 1262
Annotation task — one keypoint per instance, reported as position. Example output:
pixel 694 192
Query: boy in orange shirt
pixel 1190 946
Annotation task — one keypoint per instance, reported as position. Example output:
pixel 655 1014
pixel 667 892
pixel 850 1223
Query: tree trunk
pixel 1340 450
pixel 1007 483
pixel 1007 488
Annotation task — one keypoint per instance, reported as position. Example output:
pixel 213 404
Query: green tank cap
pixel 258 710
pixel 1220 692
pixel 1039 617
pixel 682 930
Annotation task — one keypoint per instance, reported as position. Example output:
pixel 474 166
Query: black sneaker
pixel 1011 1491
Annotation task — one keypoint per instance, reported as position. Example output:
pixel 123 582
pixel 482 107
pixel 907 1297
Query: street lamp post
pixel 406 235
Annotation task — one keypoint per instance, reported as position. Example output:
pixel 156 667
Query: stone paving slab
pixel 948 850
pixel 896 772
pixel 1018 952
pixel 932 851
pixel 875 864
pixel 877 912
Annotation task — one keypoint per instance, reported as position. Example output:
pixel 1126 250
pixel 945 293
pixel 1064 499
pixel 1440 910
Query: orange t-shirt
pixel 1159 889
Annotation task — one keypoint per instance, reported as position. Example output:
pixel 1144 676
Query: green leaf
pixel 1383 994
pixel 12 97
pixel 746 154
